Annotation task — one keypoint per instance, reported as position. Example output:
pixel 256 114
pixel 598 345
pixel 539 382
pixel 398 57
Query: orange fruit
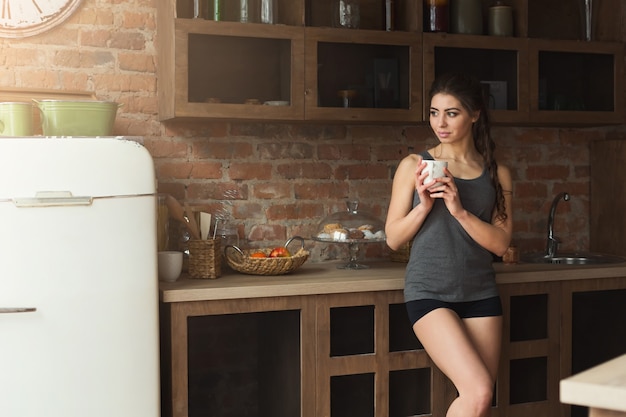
pixel 280 252
pixel 258 255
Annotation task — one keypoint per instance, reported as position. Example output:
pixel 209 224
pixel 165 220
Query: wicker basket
pixel 205 260
pixel 240 260
pixel 402 254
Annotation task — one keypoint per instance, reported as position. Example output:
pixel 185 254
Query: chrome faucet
pixel 553 242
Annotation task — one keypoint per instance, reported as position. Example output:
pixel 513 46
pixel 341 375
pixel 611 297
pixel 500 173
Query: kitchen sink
pixel 572 258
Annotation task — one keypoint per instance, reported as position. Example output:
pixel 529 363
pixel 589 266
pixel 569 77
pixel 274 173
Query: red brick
pixel 143 21
pixel 267 232
pixel 129 40
pixel 166 149
pixel 305 170
pixel 248 211
pixel 316 191
pixel 174 170
pixel 296 211
pixel 218 190
pixel 380 191
pixel 291 150
pixel 318 131
pixel 272 190
pixel 376 132
pixel 548 172
pixel 249 171
pixel 530 189
pixel 137 62
pixel 175 189
pixel 344 152
pixel 390 152
pixel 196 129
pixel 206 170
pixel 539 136
pixel 95 16
pixel 222 149
pixel 355 172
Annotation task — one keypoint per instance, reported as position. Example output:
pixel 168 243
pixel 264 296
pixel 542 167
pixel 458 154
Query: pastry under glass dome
pixel 352 227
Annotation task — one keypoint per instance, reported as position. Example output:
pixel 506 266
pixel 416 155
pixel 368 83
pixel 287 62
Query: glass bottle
pixel 436 16
pixel 346 14
pixel 228 235
pixel 249 11
pixel 269 11
pixel 217 10
pixel 389 15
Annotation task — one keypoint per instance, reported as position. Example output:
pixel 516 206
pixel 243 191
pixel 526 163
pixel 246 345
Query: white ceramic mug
pixel 16 119
pixel 435 170
pixel 170 265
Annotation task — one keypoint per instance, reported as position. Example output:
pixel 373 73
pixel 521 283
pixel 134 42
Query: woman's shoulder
pixel 411 159
pixel 408 165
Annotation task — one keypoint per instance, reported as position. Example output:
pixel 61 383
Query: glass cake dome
pixel 352 227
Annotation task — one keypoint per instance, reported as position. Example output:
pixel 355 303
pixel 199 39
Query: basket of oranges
pixel 274 261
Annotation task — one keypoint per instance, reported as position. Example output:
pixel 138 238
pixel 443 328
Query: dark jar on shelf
pixel 436 15
pixel 466 16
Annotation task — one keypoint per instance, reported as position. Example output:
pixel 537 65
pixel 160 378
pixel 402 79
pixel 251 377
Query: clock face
pixel 21 18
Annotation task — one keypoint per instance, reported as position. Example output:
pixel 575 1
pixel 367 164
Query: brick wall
pixel 287 177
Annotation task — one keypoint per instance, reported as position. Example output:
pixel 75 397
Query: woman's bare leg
pixel 468 353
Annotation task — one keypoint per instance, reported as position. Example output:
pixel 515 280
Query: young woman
pixel 456 224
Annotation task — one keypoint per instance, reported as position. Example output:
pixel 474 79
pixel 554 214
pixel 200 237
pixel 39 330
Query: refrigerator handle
pixel 52 198
pixel 9 310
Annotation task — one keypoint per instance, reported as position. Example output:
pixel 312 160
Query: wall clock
pixel 22 18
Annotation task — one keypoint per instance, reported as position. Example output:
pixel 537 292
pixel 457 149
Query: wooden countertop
pixel 325 278
pixel 603 386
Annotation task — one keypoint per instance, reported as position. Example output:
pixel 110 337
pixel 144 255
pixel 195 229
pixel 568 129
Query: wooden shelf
pixel 305 61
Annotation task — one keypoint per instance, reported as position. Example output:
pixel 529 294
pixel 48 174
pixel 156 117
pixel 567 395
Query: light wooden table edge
pixel 602 387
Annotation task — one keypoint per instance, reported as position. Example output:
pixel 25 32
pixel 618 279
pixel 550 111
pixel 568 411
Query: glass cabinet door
pixel 576 82
pixel 501 65
pixel 362 76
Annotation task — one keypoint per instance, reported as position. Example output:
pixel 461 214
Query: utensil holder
pixel 205 258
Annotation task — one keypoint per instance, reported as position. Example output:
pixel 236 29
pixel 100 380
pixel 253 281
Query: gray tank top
pixel 446 263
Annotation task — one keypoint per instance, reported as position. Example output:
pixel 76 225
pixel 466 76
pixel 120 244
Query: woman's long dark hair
pixel 469 91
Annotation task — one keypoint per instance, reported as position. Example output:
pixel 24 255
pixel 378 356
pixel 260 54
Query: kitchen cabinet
pixel 579 81
pixel 329 342
pixel 501 60
pixel 528 383
pixel 215 69
pixel 607 228
pixel 593 321
pixel 239 357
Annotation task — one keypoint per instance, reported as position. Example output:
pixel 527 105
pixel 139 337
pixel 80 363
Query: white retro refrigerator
pixel 78 280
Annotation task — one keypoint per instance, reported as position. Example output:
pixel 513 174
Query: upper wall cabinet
pixel 576 82
pixel 322 60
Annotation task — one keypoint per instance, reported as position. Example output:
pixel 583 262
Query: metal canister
pixel 500 20
pixel 466 16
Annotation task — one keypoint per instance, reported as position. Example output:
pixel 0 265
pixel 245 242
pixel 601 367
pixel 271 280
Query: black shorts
pixel 481 308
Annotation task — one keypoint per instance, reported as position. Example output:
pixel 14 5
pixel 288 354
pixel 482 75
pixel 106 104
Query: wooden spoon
pixel 177 212
pixel 193 224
